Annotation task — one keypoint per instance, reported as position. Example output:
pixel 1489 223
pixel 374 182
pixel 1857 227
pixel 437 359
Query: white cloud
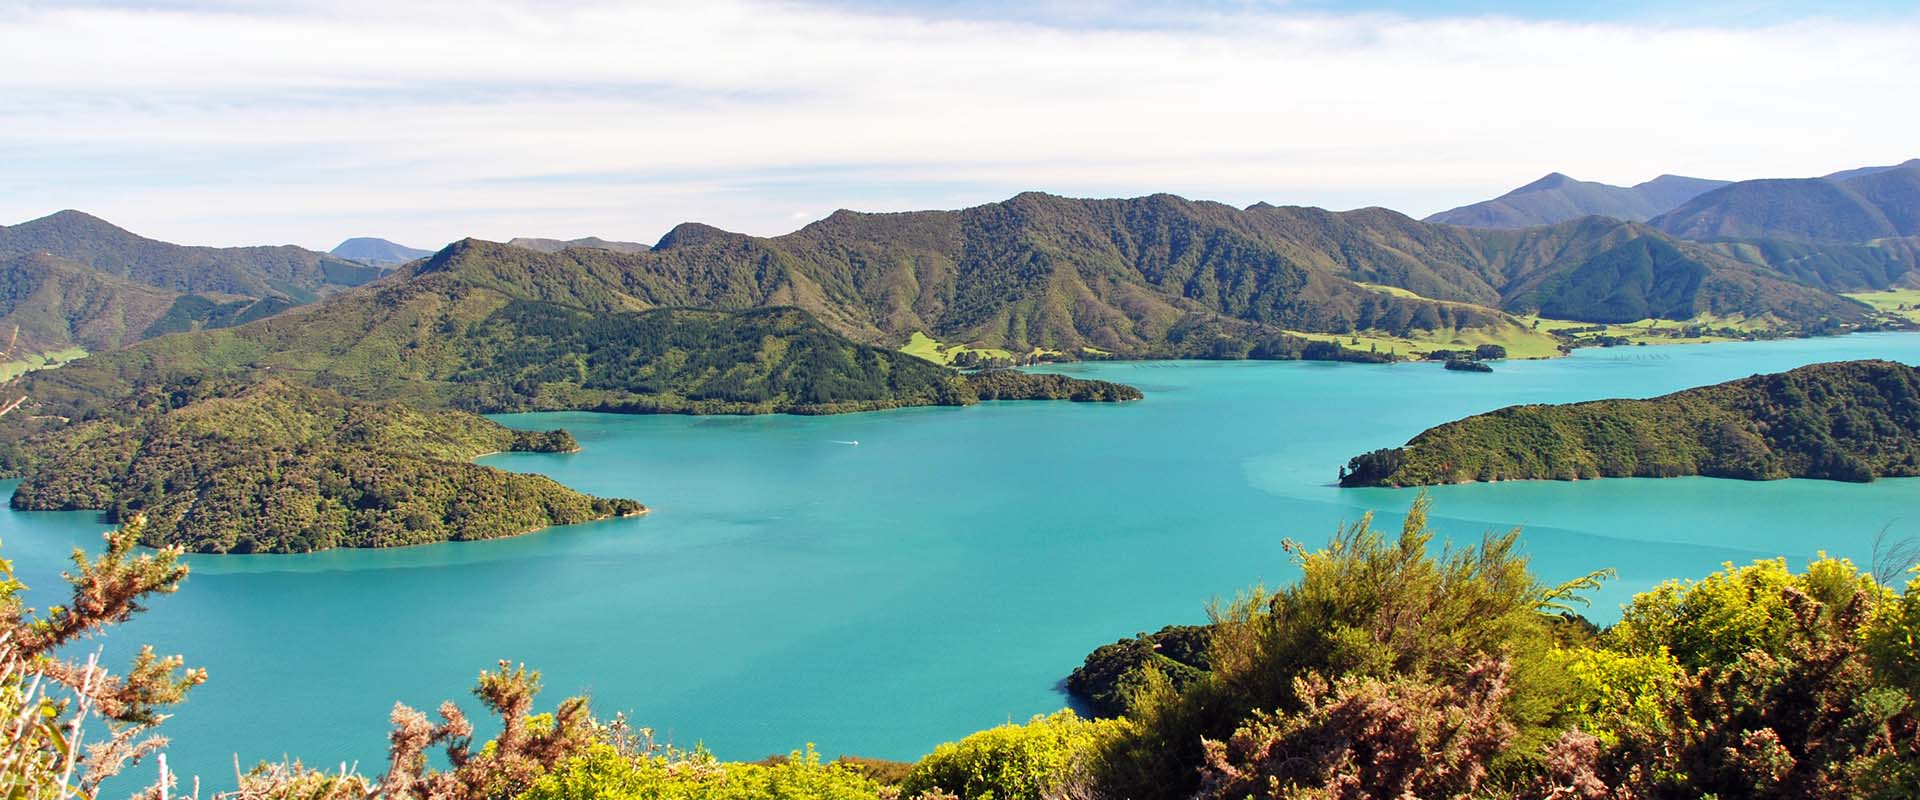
pixel 429 121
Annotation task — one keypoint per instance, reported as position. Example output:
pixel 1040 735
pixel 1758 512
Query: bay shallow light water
pixel 938 577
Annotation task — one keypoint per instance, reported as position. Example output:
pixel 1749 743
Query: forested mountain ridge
pixel 1558 198
pixel 1138 276
pixel 298 274
pixel 1856 207
pixel 489 327
pixel 59 305
pixel 1851 421
pixel 275 467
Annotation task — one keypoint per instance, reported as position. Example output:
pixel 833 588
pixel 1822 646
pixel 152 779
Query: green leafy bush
pixel 605 774
pixel 1013 762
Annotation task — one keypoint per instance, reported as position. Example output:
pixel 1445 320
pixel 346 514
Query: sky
pixel 229 122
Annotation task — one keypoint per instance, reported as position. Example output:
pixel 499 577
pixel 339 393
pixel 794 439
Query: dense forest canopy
pixel 276 467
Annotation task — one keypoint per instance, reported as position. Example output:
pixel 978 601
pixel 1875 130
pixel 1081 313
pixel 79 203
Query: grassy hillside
pixel 1852 421
pixel 274 467
pixel 1901 302
pixel 292 272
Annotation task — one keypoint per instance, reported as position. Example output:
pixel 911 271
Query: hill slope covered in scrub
pixel 1850 421
pixel 1161 276
pixel 298 274
pixel 275 467
pixel 60 305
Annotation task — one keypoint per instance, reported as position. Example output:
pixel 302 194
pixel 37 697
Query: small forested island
pixel 1112 673
pixel 1847 421
pixel 276 467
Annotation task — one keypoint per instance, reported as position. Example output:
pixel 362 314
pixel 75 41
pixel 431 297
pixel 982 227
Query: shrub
pixel 1012 762
pixel 604 773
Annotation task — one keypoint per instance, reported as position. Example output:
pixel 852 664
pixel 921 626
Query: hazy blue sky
pixel 241 122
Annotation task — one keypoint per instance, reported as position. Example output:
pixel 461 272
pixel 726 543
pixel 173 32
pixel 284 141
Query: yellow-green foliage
pixel 1369 604
pixel 1012 762
pixel 1893 638
pixel 1613 691
pixel 605 774
pixel 1736 610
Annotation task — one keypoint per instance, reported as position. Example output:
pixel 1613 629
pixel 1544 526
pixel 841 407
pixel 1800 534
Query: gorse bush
pixel 1013 762
pixel 1390 670
pixel 1365 606
pixel 604 773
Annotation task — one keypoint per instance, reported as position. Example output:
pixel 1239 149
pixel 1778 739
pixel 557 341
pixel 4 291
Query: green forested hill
pixel 1129 276
pixel 295 273
pixel 59 305
pixel 274 467
pixel 1851 421
pixel 489 327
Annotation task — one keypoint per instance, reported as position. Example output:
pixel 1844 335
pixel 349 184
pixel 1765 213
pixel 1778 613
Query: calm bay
pixel 939 576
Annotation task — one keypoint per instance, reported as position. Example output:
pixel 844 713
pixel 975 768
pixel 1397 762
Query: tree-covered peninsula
pixel 276 467
pixel 347 422
pixel 1849 421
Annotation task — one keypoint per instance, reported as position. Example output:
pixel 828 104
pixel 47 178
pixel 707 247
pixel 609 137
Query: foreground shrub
pixel 68 725
pixel 1367 739
pixel 1365 606
pixel 605 773
pixel 1013 762
pixel 1783 702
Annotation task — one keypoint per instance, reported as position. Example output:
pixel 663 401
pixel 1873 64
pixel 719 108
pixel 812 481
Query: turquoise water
pixel 941 576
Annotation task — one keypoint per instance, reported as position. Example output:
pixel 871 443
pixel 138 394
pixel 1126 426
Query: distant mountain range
pixel 378 252
pixel 1165 276
pixel 1558 198
pixel 590 242
pixel 1855 206
pixel 295 273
